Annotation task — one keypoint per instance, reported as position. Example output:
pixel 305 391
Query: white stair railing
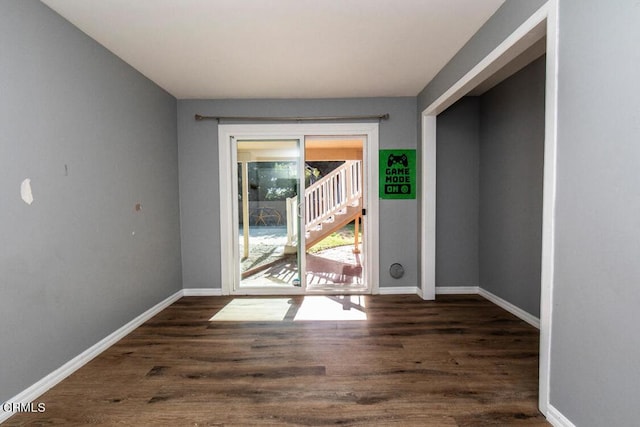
pixel 325 198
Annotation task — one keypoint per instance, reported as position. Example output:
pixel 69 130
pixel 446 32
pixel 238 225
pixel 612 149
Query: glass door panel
pixel 335 198
pixel 268 208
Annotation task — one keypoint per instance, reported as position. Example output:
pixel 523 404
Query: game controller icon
pixel 393 159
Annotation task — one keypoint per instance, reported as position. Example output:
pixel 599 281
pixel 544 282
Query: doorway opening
pixel 542 23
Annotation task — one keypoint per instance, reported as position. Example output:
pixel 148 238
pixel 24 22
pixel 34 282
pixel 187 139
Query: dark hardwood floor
pixel 459 361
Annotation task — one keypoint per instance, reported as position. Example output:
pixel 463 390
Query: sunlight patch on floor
pixel 343 307
pixel 254 310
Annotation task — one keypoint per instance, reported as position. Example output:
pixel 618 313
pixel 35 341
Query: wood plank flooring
pixel 459 361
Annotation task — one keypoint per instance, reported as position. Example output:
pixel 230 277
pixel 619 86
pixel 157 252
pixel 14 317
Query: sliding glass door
pixel 293 201
pixel 269 216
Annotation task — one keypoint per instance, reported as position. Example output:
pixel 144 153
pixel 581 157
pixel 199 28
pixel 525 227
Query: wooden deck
pixel 460 361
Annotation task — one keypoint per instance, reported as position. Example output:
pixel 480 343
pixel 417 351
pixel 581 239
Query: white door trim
pixel 549 207
pixel 544 20
pixel 296 131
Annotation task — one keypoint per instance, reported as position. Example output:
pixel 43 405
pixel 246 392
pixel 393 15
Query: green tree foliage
pixel 278 180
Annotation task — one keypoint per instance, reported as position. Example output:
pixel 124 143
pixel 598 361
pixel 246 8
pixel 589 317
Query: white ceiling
pixel 282 48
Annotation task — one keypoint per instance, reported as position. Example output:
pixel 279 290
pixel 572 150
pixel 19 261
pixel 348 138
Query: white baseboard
pixel 36 390
pixel 412 290
pixel 556 418
pixel 516 311
pixel 476 290
pixel 202 292
pixel 420 293
pixel 457 290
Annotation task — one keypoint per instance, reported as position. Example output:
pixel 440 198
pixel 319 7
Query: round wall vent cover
pixel 396 270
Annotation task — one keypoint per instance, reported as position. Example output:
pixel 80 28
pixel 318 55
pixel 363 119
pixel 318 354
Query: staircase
pixel 329 204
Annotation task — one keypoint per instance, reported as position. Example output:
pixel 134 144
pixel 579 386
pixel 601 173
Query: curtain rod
pixel 198 118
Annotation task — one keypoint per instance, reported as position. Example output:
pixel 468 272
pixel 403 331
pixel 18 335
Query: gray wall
pixel 71 269
pixel 511 174
pixel 457 194
pixel 200 194
pixel 595 374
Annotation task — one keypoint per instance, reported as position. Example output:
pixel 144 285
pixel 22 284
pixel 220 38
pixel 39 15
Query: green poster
pixel 397 174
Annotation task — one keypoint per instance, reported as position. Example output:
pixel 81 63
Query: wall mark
pixel 25 191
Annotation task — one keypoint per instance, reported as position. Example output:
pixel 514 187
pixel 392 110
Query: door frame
pixel 228 239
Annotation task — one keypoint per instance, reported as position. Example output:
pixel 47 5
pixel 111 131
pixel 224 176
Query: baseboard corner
pixel 557 419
